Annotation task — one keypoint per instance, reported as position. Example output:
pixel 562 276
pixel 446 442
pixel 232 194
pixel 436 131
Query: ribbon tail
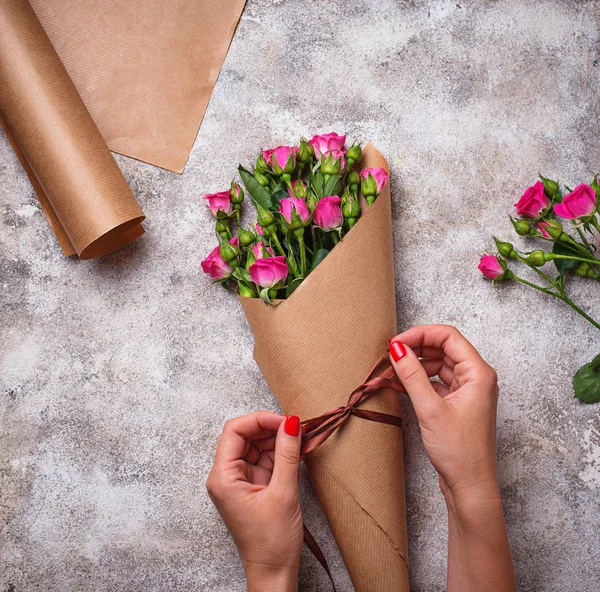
pixel 316 551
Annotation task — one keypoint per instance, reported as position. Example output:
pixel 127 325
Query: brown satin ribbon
pixel 316 430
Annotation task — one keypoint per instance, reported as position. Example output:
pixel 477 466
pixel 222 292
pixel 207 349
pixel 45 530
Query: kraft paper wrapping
pixel 314 350
pixel 145 69
pixel 80 187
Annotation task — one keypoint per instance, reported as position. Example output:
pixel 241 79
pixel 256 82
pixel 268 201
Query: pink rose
pixel 533 202
pixel 259 230
pixel 259 250
pixel 328 213
pixel 268 271
pixel 219 203
pixel 277 158
pixel 288 204
pixel 578 204
pixel 375 187
pixel 214 265
pixel 326 143
pixel 490 267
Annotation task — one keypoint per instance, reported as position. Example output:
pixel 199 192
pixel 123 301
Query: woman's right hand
pixel 457 416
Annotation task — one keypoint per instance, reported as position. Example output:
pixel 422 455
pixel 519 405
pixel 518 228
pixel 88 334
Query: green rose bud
pixel 229 253
pixel 537 258
pixel 523 227
pixel 236 193
pixel 246 291
pixel 261 164
pixel 596 187
pixel 247 237
pixel 550 186
pixel 582 269
pixel 305 152
pixel 223 228
pixel 262 179
pixel 264 217
pixel 368 186
pixel 552 228
pixel 506 249
pixel 354 154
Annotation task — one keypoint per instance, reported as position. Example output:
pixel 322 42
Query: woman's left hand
pixel 254 485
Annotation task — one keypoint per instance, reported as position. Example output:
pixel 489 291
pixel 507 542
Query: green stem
pixel 335 237
pixel 595 223
pixel 555 256
pixel 582 236
pixel 560 297
pixel 302 256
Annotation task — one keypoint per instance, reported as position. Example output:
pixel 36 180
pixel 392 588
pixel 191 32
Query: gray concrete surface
pixel 117 375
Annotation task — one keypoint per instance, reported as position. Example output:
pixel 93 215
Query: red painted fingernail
pixel 292 425
pixel 397 350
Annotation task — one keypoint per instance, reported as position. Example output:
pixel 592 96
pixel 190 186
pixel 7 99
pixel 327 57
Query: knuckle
pixel 212 485
pixel 289 455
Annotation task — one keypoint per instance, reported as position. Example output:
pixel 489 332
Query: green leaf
pixel 292 286
pixel 586 382
pixel 317 182
pixel 564 265
pixel 276 197
pixel 260 196
pixel 333 185
pixel 241 274
pixel 318 256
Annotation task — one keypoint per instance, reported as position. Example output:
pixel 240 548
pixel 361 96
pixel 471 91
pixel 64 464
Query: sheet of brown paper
pixel 145 68
pixel 314 350
pixel 80 187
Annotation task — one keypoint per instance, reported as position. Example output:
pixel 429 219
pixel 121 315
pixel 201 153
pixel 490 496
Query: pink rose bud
pixel 259 230
pixel 281 159
pixel 269 271
pixel 491 267
pixel 373 181
pixel 327 142
pixel 533 203
pixel 542 225
pixel 214 265
pixel 287 206
pixel 328 213
pixel 259 250
pixel 581 203
pixel 219 204
pixel 333 162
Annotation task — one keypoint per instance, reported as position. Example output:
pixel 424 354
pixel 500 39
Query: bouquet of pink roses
pixel 539 208
pixel 315 277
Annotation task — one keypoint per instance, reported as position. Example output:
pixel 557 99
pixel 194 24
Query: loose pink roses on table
pixel 307 197
pixel 539 208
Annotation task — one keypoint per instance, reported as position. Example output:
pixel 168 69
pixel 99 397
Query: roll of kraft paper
pixel 80 187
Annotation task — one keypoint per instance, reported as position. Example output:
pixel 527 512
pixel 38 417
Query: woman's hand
pixel 254 485
pixel 457 417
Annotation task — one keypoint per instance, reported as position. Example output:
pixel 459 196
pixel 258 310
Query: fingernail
pixel 397 350
pixel 292 425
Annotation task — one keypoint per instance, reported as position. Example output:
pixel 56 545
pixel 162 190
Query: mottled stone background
pixel 117 375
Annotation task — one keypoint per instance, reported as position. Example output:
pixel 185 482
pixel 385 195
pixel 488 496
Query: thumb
pixel 287 457
pixel 410 371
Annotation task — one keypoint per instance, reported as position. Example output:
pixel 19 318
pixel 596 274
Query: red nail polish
pixel 397 350
pixel 292 425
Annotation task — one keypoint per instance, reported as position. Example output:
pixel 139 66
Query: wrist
pixel 261 577
pixel 473 504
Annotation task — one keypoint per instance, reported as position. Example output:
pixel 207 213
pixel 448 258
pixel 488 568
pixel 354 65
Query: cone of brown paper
pixel 314 349
pixel 81 190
